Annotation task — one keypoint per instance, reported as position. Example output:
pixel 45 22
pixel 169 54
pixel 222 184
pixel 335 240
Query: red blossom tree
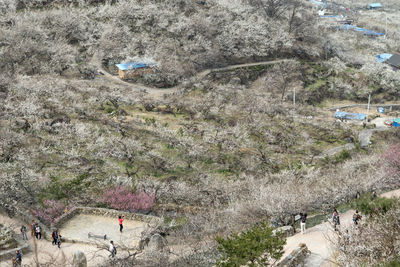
pixel 122 198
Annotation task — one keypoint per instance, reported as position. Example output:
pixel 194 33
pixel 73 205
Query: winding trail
pixel 318 238
pixel 158 93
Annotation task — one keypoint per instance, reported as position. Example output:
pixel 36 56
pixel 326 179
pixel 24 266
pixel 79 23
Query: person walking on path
pixel 335 219
pixel 374 195
pixel 58 240
pixel 303 219
pixel 112 249
pixel 23 232
pixel 38 231
pixel 356 217
pixel 120 221
pixel 54 235
pixel 33 231
pixel 18 259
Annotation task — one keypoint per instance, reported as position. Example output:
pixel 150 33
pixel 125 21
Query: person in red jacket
pixel 120 220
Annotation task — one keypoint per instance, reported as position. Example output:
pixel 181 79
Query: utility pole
pixel 175 51
pixel 386 26
pixel 369 101
pixel 294 99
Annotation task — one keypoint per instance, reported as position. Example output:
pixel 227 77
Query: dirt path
pixel 159 93
pixel 318 238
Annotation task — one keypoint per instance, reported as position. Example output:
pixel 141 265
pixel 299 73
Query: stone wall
pixel 296 258
pixel 285 230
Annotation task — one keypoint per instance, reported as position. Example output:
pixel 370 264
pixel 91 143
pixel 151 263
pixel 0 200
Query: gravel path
pixel 79 226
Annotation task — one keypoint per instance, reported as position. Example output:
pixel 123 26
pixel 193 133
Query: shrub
pixel 373 207
pixel 392 263
pixel 64 190
pixel 122 198
pixel 258 245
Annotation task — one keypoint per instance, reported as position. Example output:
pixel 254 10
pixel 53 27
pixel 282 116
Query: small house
pixel 349 116
pixel 383 57
pixel 374 6
pixel 394 61
pixel 133 70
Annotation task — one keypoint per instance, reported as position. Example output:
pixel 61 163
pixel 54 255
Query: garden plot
pixel 78 227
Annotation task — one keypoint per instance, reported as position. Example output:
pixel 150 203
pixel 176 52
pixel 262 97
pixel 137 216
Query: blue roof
pixel 375 5
pixel 318 3
pixel 349 116
pixel 358 29
pixel 331 16
pixel 132 65
pixel 383 57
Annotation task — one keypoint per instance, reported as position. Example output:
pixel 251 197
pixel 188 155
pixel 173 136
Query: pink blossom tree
pixel 50 212
pixel 122 198
pixel 391 161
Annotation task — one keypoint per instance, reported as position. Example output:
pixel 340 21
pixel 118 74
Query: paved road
pixel 317 238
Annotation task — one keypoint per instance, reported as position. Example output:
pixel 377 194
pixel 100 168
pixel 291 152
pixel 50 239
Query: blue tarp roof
pixel 331 16
pixel 132 65
pixel 349 116
pixel 383 57
pixel 358 29
pixel 318 3
pixel 375 5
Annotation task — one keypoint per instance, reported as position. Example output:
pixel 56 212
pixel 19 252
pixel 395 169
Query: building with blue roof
pixel 383 57
pixel 374 6
pixel 358 29
pixel 349 116
pixel 133 69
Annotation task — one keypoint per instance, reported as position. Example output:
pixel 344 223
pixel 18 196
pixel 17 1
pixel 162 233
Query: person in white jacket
pixel 112 249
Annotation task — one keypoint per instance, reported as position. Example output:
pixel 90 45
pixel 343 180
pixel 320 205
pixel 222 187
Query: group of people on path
pixel 335 216
pixel 36 231
pixel 335 220
pixel 56 238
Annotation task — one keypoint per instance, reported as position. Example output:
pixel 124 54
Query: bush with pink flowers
pixel 51 211
pixel 122 198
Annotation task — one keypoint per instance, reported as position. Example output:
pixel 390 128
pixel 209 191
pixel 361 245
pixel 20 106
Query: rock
pixel 285 230
pixel 349 146
pixel 296 258
pixel 156 243
pixel 79 259
pixel 235 81
pixel 64 119
pixel 22 124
